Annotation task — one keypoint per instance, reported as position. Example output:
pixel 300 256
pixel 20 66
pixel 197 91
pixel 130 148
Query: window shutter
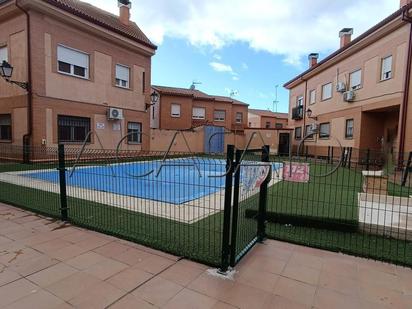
pixel 199 112
pixel 122 72
pixel 175 110
pixel 355 78
pixel 71 56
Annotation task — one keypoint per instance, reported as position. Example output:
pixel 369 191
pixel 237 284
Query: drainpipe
pixel 27 137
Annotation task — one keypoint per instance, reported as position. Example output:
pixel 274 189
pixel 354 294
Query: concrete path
pixel 45 264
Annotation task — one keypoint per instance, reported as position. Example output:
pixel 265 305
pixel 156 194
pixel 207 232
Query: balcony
pixel 297 113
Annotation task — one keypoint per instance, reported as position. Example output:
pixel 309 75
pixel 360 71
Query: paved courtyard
pixel 47 264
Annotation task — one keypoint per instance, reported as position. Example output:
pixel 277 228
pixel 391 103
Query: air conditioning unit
pixel 114 114
pixel 349 96
pixel 314 128
pixel 340 87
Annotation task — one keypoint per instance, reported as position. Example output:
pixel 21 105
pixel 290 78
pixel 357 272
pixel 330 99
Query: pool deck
pixel 45 263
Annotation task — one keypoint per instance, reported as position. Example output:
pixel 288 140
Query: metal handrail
pixel 82 149
pixel 118 149
pixel 168 151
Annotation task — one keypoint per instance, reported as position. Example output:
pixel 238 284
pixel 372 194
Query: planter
pixel 375 182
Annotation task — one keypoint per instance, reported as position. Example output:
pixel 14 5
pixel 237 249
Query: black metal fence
pixel 204 207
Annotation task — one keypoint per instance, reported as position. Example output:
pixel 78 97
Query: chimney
pixel 345 36
pixel 313 59
pixel 405 2
pixel 124 11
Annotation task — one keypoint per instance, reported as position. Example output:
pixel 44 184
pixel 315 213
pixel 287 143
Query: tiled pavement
pixel 45 264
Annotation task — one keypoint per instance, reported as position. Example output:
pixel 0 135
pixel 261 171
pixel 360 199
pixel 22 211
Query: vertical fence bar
pixel 62 181
pixel 235 214
pixel 227 210
pixel 263 197
pixel 368 158
pixel 406 172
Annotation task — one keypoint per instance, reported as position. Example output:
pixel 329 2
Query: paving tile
pixel 258 279
pixel 52 274
pixel 301 273
pixel 154 264
pixel 111 249
pixel 296 291
pixel 106 269
pixel 211 285
pixel 380 295
pixel 97 296
pixel 279 302
pixel 222 305
pixel 182 274
pixel 132 256
pixel 93 242
pixel 273 252
pixel 158 291
pixel 68 252
pixel 376 266
pixel 15 290
pixel 18 256
pixel 132 302
pixel 338 283
pixel 129 279
pixel 40 299
pixel 306 260
pixel 244 296
pixel 388 280
pixel 341 267
pixel 190 299
pixel 326 299
pixel 34 265
pixel 7 276
pixel 51 245
pixel 86 260
pixel 265 264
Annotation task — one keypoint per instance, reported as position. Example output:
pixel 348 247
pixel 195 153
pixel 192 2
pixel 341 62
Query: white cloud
pixel 292 28
pixel 217 57
pixel 221 67
pixel 235 78
pixel 245 66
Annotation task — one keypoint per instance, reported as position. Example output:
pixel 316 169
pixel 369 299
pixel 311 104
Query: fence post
pixel 406 172
pixel 227 210
pixel 368 157
pixel 235 211
pixel 26 150
pixel 62 179
pixel 261 231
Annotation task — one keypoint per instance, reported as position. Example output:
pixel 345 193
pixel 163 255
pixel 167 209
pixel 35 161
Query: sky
pixel 245 47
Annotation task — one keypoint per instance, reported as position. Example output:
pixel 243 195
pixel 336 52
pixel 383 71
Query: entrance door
pixel 284 140
pixel 214 139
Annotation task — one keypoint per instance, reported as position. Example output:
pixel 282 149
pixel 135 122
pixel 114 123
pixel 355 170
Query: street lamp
pixel 309 114
pixel 6 71
pixel 154 98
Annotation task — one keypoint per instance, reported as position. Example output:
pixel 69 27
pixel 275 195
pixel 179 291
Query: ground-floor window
pixel 298 133
pixel 73 129
pixel 134 130
pixel 349 128
pixel 324 130
pixel 5 127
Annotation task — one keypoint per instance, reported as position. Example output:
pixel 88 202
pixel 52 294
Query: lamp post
pixel 309 114
pixel 154 98
pixel 6 71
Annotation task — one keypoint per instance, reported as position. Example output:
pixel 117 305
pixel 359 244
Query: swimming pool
pixel 177 182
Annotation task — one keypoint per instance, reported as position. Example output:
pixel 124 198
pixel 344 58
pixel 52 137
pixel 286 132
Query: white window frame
pixel 355 80
pixel 198 113
pixel 217 117
pixel 312 97
pixel 299 101
pixel 4 53
pixel 239 119
pixel 134 130
pixel 72 65
pixel 122 81
pixel 386 70
pixel 326 96
pixel 175 111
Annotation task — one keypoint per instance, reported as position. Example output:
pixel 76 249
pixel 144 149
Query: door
pixel 284 140
pixel 214 139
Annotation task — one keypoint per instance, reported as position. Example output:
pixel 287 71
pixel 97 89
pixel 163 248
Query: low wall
pixel 161 139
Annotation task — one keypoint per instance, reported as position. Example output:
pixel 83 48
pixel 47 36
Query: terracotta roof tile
pixel 103 19
pixel 266 113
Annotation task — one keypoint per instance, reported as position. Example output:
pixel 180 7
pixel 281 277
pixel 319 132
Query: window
pixel 298 133
pixel 386 68
pixel 326 91
pixel 175 110
pixel 267 126
pixel 72 62
pixel 5 127
pixel 312 97
pixel 324 130
pixel 349 128
pixel 299 101
pixel 278 125
pixel 198 113
pixel 355 79
pixel 239 117
pixel 122 76
pixel 134 130
pixel 219 115
pixel 73 129
pixel 308 130
pixel 3 54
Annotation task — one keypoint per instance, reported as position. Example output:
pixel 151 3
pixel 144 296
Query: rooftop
pixel 268 113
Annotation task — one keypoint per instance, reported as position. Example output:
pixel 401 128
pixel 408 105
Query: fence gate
pixel 249 173
pixel 214 140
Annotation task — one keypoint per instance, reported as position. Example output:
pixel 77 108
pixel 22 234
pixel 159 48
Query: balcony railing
pixel 297 113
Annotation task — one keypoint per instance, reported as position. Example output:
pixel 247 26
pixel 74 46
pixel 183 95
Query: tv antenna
pixel 233 93
pixel 194 83
pixel 275 102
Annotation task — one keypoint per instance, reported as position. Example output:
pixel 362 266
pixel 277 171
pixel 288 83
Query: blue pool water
pixel 175 183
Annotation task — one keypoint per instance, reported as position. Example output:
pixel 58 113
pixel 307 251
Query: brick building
pixel 88 70
pixel 260 118
pixel 361 93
